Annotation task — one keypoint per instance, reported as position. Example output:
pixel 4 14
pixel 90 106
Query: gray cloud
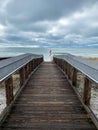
pixel 49 22
pixel 40 10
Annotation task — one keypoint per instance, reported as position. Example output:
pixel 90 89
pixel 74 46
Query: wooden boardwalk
pixel 48 102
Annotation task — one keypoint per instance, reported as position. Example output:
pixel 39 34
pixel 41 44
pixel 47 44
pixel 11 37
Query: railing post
pixel 22 76
pixel 74 77
pixel 68 70
pixel 71 72
pixel 30 65
pixel 27 70
pixel 65 67
pixel 87 91
pixel 26 73
pixel 33 64
pixel 62 64
pixel 9 90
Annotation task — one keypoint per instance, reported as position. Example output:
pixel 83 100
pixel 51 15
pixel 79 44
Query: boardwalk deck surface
pixel 48 102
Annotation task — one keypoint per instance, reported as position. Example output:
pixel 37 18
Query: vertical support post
pixel 30 65
pixel 9 90
pixel 63 64
pixel 65 67
pixel 22 76
pixel 87 91
pixel 27 69
pixel 26 72
pixel 33 64
pixel 36 62
pixel 68 70
pixel 74 77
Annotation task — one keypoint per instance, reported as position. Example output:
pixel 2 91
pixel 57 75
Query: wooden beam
pixel 22 76
pixel 74 77
pixel 87 91
pixel 9 90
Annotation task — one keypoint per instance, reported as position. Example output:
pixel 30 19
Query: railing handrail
pixel 85 68
pixel 11 65
pixel 16 58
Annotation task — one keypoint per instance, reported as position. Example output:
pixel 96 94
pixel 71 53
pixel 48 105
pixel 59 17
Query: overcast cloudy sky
pixel 49 23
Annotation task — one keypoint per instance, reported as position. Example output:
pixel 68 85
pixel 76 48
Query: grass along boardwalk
pixel 48 102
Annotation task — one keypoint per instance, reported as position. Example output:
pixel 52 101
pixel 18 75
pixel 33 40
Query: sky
pixel 49 23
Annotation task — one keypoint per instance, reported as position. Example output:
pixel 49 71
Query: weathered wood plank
pixel 87 91
pixel 48 102
pixel 9 90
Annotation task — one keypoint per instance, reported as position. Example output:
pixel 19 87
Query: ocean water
pixel 13 51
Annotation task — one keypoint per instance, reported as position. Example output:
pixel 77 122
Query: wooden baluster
pixel 69 71
pixel 27 69
pixel 30 67
pixel 9 90
pixel 74 77
pixel 22 76
pixel 62 64
pixel 34 63
pixel 65 67
pixel 87 91
pixel 58 62
pixel 68 67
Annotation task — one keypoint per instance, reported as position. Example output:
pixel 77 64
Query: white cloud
pixel 2 30
pixel 64 22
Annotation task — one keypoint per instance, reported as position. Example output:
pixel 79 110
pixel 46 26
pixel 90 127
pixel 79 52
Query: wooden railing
pixel 24 65
pixel 72 65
